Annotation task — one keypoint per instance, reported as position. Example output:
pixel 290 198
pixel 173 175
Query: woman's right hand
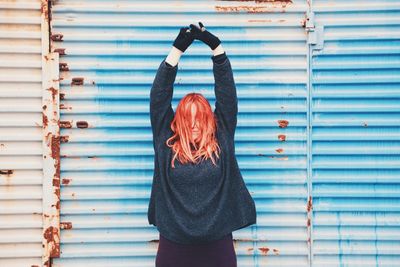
pixel 200 33
pixel 184 39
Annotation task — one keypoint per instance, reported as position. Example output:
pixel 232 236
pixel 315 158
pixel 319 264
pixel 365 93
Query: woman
pixel 198 195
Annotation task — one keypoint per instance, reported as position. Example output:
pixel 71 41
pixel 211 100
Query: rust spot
pixel 309 204
pixel 45 120
pixel 60 51
pixel 259 20
pixel 82 124
pixel 44 107
pixel 279 150
pixel 63 106
pixel 77 81
pixel 282 137
pixel 6 172
pixel 58 205
pixel 63 67
pixel 279 158
pixel 248 9
pixel 55 147
pixel 44 9
pixel 250 249
pixel 283 123
pixel 264 250
pixel 57 192
pixel 56 182
pixel 47 263
pixel 52 237
pixel 308 222
pixel 254 9
pixel 66 225
pixel 275 251
pixel 57 37
pixel 66 181
pixel 53 93
pixel 34 265
pixel 303 22
pixel 62 96
pixel 65 124
pixel 64 139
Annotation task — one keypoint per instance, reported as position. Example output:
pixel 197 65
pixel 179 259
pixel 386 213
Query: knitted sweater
pixel 197 203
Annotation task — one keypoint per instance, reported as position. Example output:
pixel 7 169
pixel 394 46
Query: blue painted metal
pixel 107 166
pixel 354 103
pixel 317 136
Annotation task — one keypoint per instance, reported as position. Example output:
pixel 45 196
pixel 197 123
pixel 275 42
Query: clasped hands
pixel 187 35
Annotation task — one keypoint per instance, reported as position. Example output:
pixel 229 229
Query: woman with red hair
pixel 198 196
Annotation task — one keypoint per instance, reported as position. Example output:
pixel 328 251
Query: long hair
pixel 185 148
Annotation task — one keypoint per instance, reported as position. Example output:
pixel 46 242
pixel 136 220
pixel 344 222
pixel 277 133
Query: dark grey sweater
pixel 194 204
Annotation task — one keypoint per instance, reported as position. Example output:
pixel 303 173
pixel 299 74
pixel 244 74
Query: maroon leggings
pixel 220 253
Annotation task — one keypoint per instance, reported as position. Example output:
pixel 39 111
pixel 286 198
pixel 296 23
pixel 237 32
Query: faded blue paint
pixel 355 134
pixel 339 97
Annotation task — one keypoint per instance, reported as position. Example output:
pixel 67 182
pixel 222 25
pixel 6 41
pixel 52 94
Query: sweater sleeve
pixel 161 113
pixel 226 104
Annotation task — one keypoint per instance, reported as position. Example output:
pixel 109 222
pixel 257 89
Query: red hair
pixel 185 148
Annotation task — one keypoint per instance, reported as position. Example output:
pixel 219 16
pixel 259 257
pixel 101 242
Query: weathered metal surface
pixel 109 55
pixel 355 134
pixel 28 231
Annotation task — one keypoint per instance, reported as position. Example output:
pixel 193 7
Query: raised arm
pixel 161 113
pixel 161 96
pixel 226 104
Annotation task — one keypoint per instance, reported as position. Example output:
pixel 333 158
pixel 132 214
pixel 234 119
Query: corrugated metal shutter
pixel 109 53
pixel 355 120
pixel 28 136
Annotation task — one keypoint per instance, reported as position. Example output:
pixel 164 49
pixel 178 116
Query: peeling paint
pixel 52 237
pixel 63 106
pixel 60 51
pixel 279 158
pixel 279 150
pixel 54 93
pixel 269 6
pixel 65 124
pixel 77 81
pixel 66 181
pixel 6 172
pixel 264 250
pixel 309 204
pixel 282 137
pixel 82 124
pixel 63 67
pixel 64 139
pixel 259 20
pixel 45 120
pixel 57 37
pixel 56 182
pixel 283 123
pixel 66 225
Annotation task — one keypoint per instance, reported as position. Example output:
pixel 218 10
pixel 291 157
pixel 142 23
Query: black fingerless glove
pixel 200 33
pixel 184 39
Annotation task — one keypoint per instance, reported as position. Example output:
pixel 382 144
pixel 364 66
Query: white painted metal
pixel 24 194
